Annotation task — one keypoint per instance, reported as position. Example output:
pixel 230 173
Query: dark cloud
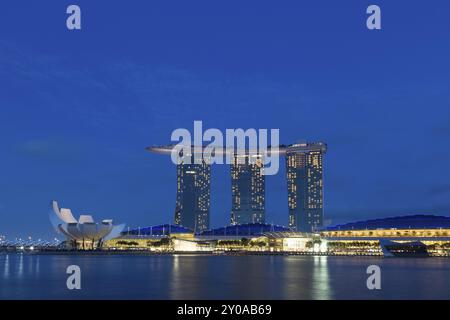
pixel 439 190
pixel 52 150
pixel 351 215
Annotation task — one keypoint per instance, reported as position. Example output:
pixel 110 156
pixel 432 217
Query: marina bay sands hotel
pixel 304 173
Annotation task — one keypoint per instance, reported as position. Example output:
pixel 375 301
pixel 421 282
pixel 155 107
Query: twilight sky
pixel 78 108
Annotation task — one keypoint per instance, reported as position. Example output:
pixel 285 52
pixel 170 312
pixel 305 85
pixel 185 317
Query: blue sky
pixel 78 108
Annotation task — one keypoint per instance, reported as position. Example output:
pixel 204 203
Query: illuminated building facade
pixel 248 190
pixel 304 170
pixel 84 233
pixel 193 195
pixel 416 235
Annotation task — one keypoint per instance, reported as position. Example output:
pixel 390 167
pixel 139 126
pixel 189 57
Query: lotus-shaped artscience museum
pixel 84 233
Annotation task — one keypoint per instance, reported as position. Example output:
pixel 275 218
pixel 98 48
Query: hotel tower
pixel 248 190
pixel 193 195
pixel 304 170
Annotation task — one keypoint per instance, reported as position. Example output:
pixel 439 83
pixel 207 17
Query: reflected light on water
pixel 25 276
pixel 6 266
pixel 186 276
pixel 321 279
pixel 30 265
pixel 176 264
pixel 20 267
pixel 37 266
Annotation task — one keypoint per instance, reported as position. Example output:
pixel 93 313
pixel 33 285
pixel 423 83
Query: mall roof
pixel 159 230
pixel 250 229
pixel 419 221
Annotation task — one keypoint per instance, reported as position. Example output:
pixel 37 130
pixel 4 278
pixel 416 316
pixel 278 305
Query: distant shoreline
pixel 196 253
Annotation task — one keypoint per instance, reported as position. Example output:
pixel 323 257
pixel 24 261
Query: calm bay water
pixel 221 277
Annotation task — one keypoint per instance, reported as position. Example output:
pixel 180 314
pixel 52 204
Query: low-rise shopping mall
pixel 423 235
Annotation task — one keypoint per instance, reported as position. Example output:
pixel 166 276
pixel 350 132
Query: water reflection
pixel 30 265
pixel 188 277
pixel 6 267
pixel 176 264
pixel 37 271
pixel 20 266
pixel 25 276
pixel 321 279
